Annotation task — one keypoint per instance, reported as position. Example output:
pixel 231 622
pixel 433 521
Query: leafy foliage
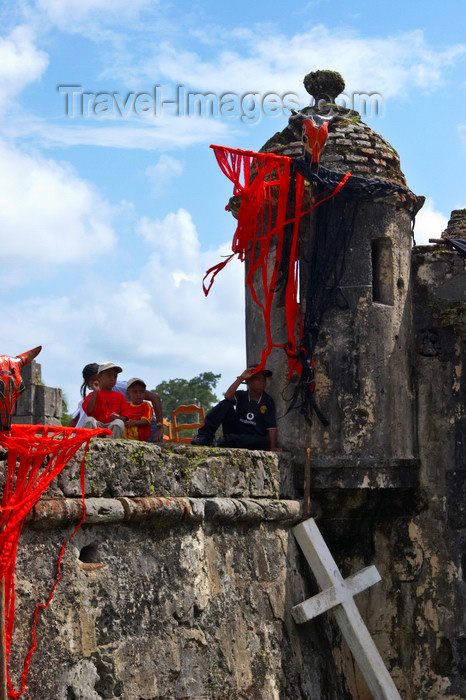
pixel 65 416
pixel 198 390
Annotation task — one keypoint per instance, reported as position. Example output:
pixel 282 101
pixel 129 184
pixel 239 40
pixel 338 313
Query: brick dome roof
pixel 351 146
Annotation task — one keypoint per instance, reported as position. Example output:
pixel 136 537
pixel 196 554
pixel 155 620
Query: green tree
pixel 198 390
pixel 65 416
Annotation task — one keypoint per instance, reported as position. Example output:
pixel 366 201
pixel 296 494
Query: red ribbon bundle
pixel 262 219
pixel 28 477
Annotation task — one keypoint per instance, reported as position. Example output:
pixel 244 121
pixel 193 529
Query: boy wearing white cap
pixel 106 408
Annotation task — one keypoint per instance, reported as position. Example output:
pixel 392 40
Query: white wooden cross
pixel 338 594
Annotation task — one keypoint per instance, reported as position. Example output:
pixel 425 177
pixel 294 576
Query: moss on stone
pixel 450 315
pixel 137 457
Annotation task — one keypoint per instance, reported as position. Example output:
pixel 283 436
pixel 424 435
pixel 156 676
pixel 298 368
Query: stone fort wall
pixel 179 584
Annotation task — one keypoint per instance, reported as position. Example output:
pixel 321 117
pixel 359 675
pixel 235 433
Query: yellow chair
pixel 178 427
pixel 166 424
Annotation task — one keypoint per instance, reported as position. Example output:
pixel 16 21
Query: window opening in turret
pixel 382 271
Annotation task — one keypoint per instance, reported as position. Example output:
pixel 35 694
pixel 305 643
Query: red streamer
pixel 314 138
pixel 29 475
pixel 262 219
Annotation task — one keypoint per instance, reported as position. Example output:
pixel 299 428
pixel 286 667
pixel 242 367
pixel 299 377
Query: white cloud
pixel 262 61
pixel 21 63
pixel 48 216
pixel 175 238
pixel 75 15
pixel 158 325
pixel 265 60
pixel 163 172
pixel 161 133
pixel 429 223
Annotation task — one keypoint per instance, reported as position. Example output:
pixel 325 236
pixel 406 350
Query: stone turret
pixel 363 378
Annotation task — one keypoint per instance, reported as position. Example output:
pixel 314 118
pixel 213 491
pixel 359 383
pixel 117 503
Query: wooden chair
pixel 177 427
pixel 168 437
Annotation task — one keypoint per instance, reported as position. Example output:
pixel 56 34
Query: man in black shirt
pixel 247 418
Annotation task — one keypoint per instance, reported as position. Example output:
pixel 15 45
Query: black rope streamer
pixel 335 220
pixel 356 187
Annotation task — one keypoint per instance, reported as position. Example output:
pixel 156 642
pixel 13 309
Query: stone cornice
pixel 50 514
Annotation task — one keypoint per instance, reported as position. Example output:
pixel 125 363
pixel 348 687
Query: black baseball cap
pixel 267 372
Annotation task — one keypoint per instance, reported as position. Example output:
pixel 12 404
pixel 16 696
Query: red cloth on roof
pixel 314 138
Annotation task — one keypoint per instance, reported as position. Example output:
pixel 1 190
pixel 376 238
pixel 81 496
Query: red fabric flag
pixel 264 182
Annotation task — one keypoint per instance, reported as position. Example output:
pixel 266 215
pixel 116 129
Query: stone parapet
pixel 178 584
pixel 123 468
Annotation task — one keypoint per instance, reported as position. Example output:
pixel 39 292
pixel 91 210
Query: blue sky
pixel 108 222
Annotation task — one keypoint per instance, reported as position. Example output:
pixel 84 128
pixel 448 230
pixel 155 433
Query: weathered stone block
pixel 47 401
pixel 203 482
pixel 31 373
pixel 25 402
pixel 23 420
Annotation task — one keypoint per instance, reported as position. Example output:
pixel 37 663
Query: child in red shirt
pixel 106 408
pixel 139 412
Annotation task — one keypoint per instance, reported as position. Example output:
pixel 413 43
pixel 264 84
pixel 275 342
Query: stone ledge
pixel 374 474
pixel 353 489
pixel 54 513
pixel 125 468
